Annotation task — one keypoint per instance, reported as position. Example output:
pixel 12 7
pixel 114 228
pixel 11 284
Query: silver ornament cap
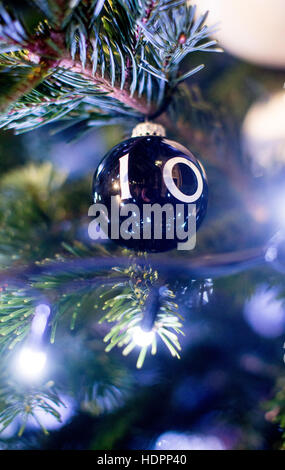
pixel 148 128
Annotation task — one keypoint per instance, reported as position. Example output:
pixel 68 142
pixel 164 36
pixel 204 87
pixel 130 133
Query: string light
pixel 40 319
pixel 141 337
pixel 31 362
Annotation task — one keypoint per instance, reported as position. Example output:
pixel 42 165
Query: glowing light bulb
pixel 42 313
pixel 31 363
pixel 141 337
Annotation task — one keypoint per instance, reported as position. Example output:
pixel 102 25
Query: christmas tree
pixel 91 332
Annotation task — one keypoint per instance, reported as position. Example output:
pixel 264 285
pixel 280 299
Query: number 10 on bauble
pixel 150 193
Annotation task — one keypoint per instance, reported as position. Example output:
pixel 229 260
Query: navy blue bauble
pixel 143 171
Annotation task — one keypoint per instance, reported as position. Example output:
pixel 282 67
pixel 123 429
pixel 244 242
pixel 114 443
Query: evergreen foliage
pixel 82 64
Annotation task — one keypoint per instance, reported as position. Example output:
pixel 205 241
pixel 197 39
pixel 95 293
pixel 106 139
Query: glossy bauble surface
pixel 148 170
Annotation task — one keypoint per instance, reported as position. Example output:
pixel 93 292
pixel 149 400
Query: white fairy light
pixel 141 337
pixel 30 363
pixel 40 319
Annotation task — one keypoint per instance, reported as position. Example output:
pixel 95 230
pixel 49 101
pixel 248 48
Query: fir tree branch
pixel 18 401
pixel 104 85
pixel 126 55
pixel 22 87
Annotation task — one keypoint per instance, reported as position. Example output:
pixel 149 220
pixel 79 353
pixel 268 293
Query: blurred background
pixel 228 387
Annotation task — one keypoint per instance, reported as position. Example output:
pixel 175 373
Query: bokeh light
pixel 40 319
pixel 30 363
pixel 141 337
pixel 265 313
pixel 180 441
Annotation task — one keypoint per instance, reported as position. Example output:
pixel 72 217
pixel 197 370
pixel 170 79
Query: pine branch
pixel 57 11
pixel 17 401
pixel 119 51
pixel 35 76
pixel 98 383
pixel 104 86
pixel 131 313
pixel 30 213
pixel 123 293
pixel 17 309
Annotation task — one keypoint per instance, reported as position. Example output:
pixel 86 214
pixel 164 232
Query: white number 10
pixel 167 176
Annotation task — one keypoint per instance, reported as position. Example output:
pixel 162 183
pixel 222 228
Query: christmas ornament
pixel 150 192
pixel 263 134
pixel 252 30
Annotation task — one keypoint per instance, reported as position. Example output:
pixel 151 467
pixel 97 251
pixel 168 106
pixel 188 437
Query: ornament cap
pixel 148 128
